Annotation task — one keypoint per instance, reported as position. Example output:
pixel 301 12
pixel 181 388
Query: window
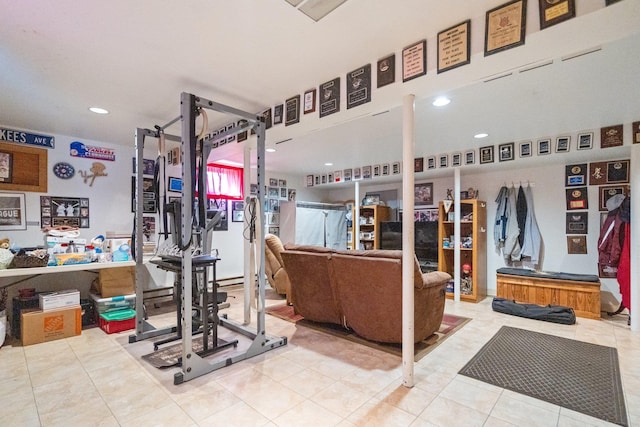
pixel 224 182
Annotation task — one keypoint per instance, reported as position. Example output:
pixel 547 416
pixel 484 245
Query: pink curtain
pixel 224 182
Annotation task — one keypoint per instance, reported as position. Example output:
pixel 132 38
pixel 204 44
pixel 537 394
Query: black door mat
pixel 580 376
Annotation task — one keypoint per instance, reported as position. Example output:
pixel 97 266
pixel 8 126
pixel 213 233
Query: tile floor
pixel 316 380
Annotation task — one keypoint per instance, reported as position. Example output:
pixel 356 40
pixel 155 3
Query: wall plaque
pixel 608 191
pixel 575 175
pixel 414 60
pixel 330 97
pixel 555 11
pixel 577 198
pixel 576 245
pixel 292 110
pixel 505 27
pixel 577 222
pixel 386 71
pixel 359 86
pixel 611 136
pixel 454 46
pixel 635 132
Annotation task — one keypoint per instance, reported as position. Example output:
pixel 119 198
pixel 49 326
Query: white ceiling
pixel 135 58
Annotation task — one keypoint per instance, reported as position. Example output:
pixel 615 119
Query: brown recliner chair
pixel 274 266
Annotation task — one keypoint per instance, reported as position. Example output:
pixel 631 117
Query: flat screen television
pixel 425 245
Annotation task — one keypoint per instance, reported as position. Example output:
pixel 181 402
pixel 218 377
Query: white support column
pixel 249 266
pixel 635 237
pixel 408 326
pixel 458 239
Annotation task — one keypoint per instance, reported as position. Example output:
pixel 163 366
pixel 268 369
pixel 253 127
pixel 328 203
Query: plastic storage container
pixel 104 305
pixel 117 321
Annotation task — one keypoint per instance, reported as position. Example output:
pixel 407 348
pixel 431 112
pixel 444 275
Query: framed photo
pixel 505 27
pixel 386 71
pixel 418 164
pixel 277 114
pixel 395 168
pixel 347 174
pixel 443 160
pixel 12 211
pixel 148 166
pixel 292 195
pixel 366 172
pixel 6 167
pixel 505 152
pixel 220 205
pixel 376 170
pixel 470 157
pixel 553 12
pixel 525 149
pixel 563 144
pixel 454 46
pixel 608 191
pixel 237 216
pixel 310 101
pixel 414 60
pixel 423 194
pixel 456 159
pixel 282 183
pixel 337 176
pixel 357 174
pixel 385 169
pixel 585 141
pixel 175 184
pixel 284 194
pixel 274 230
pixel 635 132
pixel 274 205
pixel 309 181
pixel 371 199
pixel 486 154
pixel 72 211
pixel 273 192
pixel 330 177
pixel 431 162
pixel 292 110
pixel 273 182
pixel 544 147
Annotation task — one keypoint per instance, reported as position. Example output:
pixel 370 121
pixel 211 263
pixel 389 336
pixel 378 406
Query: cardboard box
pixel 42 326
pixel 117 281
pixel 59 299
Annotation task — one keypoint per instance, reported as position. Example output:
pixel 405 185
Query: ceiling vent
pixel 316 9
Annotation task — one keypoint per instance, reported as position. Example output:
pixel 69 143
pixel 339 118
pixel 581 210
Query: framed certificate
pixel 486 154
pixel 611 136
pixel 277 114
pixel 6 167
pixel 505 27
pixel 310 101
pixel 454 46
pixel 555 11
pixel 414 60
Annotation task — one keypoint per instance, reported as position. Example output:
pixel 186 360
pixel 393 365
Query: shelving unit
pixel 473 242
pixel 370 218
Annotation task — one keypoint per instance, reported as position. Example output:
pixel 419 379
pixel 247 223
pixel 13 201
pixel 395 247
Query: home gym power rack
pixel 193 365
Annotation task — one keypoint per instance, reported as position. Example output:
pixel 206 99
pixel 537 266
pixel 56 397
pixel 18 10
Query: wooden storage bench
pixel 578 291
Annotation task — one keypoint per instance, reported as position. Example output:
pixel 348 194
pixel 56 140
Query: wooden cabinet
pixel 473 248
pixel 369 221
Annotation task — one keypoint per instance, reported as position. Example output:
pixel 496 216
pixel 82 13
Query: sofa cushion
pixel 308 248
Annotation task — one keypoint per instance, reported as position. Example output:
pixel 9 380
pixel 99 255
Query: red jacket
pixel 610 241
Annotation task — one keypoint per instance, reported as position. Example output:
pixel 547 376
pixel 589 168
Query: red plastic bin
pixel 117 321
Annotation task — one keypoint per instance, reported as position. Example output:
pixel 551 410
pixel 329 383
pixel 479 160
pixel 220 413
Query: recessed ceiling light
pixel 270 150
pixel 441 101
pixel 480 135
pixel 98 110
pixel 328 164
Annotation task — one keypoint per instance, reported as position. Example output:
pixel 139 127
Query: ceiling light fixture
pixel 441 101
pixel 98 110
pixel 328 164
pixel 270 150
pixel 480 135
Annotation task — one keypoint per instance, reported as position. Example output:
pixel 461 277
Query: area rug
pixel 450 324
pixel 576 375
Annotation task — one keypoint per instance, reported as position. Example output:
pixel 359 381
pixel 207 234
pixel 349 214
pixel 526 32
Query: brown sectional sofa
pixel 362 290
